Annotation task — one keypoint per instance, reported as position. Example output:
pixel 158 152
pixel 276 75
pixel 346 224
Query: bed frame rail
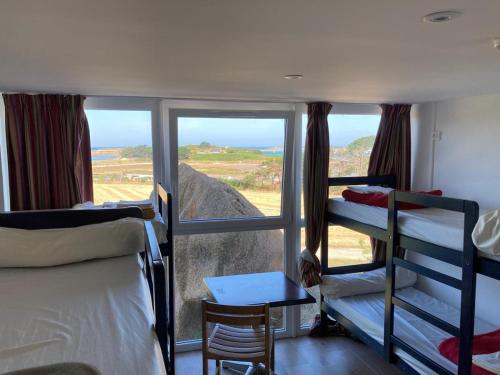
pixel 467 284
pixel 370 230
pixel 165 209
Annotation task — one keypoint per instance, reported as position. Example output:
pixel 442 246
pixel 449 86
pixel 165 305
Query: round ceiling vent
pixel 439 17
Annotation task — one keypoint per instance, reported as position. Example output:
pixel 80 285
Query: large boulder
pixel 201 255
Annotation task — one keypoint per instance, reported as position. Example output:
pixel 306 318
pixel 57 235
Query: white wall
pixel 465 164
pixel 422 125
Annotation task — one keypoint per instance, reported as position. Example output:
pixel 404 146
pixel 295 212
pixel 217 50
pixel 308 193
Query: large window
pixel 351 142
pixel 232 172
pixel 122 154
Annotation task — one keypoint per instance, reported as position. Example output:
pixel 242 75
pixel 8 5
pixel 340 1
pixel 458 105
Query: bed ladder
pixel 467 284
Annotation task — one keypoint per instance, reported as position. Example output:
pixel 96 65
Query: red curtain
pixel 316 159
pixel 48 144
pixel 391 155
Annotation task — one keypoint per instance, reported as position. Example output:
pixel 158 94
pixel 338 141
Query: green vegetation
pixel 361 144
pixel 137 152
pixel 209 153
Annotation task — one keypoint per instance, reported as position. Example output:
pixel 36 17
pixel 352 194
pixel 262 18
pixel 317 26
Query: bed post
pixel 165 198
pixel 390 277
pixel 468 303
pixel 324 267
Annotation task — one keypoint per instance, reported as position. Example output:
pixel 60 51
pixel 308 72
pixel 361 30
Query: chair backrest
pixel 252 315
pixel 255 315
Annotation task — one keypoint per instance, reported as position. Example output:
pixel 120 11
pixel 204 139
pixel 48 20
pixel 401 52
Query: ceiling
pixel 348 51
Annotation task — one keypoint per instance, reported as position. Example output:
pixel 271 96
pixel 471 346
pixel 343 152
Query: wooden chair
pixel 229 341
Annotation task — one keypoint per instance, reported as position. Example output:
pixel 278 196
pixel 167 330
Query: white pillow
pixel 52 247
pixel 337 286
pixel 370 189
pixel 486 233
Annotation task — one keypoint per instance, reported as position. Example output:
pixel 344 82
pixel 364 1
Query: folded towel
pixel 379 199
pixel 489 362
pixel 486 234
pixel 482 344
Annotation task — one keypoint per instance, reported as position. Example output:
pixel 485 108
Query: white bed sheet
pixel 97 312
pixel 367 312
pixel 440 227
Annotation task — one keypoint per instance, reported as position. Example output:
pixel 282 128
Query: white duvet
pixel 97 312
pixel 440 227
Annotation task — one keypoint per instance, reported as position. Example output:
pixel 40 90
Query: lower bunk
pixel 364 315
pixel 96 312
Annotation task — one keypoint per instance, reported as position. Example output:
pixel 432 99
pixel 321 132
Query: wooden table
pixel 274 288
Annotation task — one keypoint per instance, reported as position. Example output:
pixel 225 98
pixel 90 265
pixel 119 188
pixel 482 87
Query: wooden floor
pixel 304 355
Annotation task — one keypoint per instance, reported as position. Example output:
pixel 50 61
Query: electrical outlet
pixel 436 135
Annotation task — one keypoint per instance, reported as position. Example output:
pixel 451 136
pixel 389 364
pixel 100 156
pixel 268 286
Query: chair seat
pixel 228 342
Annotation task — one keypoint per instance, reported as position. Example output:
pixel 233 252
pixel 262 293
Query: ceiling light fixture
pixel 443 16
pixel 293 76
pixel 496 43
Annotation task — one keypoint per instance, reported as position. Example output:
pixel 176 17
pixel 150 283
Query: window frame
pixel 4 164
pixel 214 225
pixel 171 111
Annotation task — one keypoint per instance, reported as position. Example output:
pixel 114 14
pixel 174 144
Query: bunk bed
pixel 65 309
pixel 421 320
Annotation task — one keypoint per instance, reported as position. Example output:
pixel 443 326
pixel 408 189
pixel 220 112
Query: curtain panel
pixel 48 146
pixel 391 155
pixel 315 180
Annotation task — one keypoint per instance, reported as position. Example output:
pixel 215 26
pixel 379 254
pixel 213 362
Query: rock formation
pixel 201 255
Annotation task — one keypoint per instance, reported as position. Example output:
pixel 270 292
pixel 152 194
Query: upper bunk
pixel 441 230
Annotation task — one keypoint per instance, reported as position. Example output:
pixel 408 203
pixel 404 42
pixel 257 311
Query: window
pixel 122 154
pixel 237 161
pixel 351 141
pixel 232 171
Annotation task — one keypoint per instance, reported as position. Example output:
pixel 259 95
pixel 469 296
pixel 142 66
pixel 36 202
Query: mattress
pixel 367 312
pixel 434 225
pixel 97 312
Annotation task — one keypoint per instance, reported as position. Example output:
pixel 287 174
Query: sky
pixel 133 128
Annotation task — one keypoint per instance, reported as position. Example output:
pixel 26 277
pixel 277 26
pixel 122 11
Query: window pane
pixel 201 255
pixel 122 155
pixel 351 143
pixel 237 164
pixel 345 247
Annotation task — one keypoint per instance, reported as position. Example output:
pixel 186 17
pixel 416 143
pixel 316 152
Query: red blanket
pixel 483 344
pixel 382 200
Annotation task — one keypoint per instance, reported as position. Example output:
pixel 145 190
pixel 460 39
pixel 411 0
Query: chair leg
pixel 217 367
pixel 272 358
pixel 205 364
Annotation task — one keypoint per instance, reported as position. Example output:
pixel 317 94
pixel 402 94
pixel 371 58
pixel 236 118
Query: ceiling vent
pixel 496 43
pixel 440 17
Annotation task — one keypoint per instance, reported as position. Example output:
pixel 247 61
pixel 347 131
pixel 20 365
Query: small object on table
pixel 273 288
